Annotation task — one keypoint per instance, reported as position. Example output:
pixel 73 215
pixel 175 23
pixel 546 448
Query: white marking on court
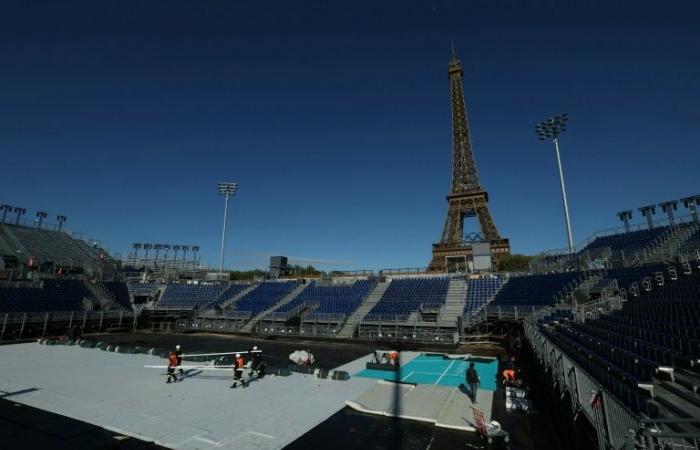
pixel 445 372
pixel 260 434
pixel 208 441
pixel 404 378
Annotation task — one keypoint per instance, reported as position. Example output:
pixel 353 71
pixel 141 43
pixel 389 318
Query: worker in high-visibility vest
pixel 238 366
pixel 172 364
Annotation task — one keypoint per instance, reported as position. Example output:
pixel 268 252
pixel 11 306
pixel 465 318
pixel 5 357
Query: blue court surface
pixel 440 370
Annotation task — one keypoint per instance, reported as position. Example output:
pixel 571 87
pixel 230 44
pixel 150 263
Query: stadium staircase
pixel 454 303
pixel 372 299
pixel 230 303
pixel 101 294
pixel 248 327
pixel 674 241
pixel 582 293
pixel 13 244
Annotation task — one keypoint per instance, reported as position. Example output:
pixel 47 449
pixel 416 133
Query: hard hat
pixel 238 355
pixel 255 347
pixel 177 347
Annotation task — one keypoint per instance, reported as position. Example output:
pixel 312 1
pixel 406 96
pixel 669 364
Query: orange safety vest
pixel 240 363
pixel 172 360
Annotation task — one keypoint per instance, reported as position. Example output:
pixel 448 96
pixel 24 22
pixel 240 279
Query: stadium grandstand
pixel 623 329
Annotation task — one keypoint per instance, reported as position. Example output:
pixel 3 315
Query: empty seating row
pixel 120 293
pixel 51 295
pixel 404 296
pixel 628 241
pixel 264 296
pixel 480 292
pixel 142 289
pixel 600 369
pixel 339 299
pixel 188 296
pixel 657 330
pixel 231 291
pixel 533 290
pixel 45 245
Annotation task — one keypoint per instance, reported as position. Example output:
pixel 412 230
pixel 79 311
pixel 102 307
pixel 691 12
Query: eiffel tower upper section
pixel 464 175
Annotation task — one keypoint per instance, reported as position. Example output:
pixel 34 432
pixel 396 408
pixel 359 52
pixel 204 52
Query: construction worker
pixel 172 364
pixel 509 376
pixel 238 366
pixel 257 365
pixel 178 352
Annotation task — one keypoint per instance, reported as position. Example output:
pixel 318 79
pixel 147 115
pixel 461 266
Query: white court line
pixel 404 378
pixel 260 434
pixel 207 441
pixel 445 372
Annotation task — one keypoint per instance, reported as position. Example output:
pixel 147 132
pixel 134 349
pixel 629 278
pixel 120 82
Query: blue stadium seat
pixel 264 296
pixel 404 296
pixel 479 292
pixel 52 295
pixel 188 296
pixel 340 299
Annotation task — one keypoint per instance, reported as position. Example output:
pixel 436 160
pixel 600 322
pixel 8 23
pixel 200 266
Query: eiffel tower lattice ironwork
pixel 466 198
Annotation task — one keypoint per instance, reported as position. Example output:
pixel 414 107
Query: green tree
pixel 514 263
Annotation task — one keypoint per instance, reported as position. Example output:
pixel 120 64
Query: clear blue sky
pixel 334 119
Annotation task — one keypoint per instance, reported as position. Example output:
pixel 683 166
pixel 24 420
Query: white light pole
pixel 227 190
pixel 550 129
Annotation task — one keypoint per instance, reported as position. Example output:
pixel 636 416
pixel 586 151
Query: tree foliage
pixel 514 263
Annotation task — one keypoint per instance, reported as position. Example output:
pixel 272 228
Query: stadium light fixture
pixel 60 219
pixel 625 217
pixel 146 248
pixel 668 208
pixel 5 209
pixel 692 204
pixel 185 249
pixel 195 250
pixel 648 212
pixel 227 190
pixel 40 216
pixel 20 212
pixel 551 129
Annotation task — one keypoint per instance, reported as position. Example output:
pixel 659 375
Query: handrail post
pixel 24 320
pixel 46 321
pixel 4 325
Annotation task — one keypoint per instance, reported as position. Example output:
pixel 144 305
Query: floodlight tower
pixel 40 216
pixel 146 248
pixel 20 212
pixel 227 190
pixel 185 249
pixel 60 219
pixel 137 246
pixel 551 129
pixel 158 248
pixel 625 216
pixel 5 209
pixel 692 204
pixel 668 208
pixel 195 250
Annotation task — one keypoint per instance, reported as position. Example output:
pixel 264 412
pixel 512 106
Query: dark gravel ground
pixel 328 354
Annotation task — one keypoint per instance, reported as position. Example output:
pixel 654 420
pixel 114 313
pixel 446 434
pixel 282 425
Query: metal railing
pixel 614 423
pixel 21 320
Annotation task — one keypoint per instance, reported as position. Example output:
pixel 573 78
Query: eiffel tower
pixel 467 198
